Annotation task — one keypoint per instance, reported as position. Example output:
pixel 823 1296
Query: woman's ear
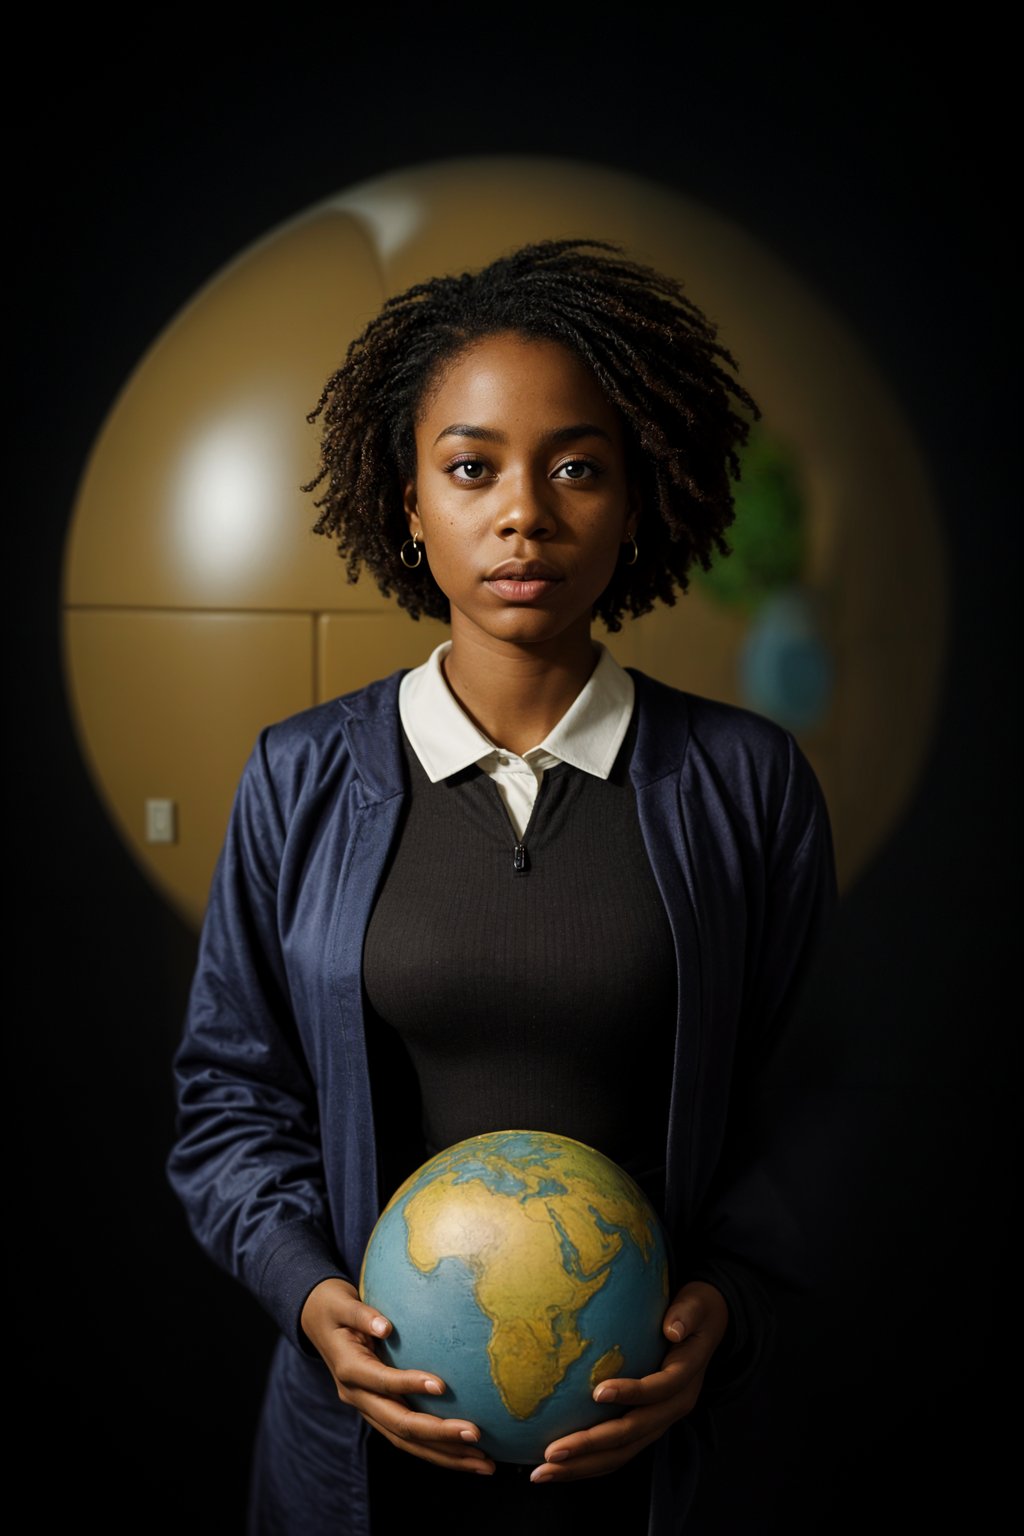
pixel 412 516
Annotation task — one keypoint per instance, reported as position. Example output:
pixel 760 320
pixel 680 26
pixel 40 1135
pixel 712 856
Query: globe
pixel 524 1268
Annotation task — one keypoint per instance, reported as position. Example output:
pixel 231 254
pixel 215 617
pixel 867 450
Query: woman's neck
pixel 517 694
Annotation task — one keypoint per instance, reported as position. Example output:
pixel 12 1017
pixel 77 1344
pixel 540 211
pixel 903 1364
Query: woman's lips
pixel 523 581
pixel 522 590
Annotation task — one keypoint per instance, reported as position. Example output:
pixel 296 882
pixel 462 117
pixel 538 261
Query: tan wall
pixel 198 605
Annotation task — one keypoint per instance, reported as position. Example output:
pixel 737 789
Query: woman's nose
pixel 526 510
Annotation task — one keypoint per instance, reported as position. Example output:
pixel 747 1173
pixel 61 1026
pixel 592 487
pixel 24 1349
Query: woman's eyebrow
pixel 568 434
pixel 579 429
pixel 481 434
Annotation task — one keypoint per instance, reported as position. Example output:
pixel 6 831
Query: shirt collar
pixel 445 739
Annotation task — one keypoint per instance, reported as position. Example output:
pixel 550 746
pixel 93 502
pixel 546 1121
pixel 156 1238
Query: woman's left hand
pixel 694 1325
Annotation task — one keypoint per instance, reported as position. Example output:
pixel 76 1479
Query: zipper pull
pixel 519 858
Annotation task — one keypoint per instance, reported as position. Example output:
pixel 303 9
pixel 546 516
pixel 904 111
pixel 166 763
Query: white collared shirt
pixel 446 740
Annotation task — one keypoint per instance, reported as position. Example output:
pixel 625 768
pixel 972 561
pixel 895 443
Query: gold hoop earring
pixel 632 558
pixel 411 565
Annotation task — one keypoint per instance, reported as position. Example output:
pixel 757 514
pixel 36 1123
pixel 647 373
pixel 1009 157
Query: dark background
pixel 873 162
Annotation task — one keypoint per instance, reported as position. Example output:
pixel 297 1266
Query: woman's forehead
pixel 514 377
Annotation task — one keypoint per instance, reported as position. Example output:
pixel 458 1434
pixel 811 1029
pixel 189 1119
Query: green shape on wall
pixel 768 539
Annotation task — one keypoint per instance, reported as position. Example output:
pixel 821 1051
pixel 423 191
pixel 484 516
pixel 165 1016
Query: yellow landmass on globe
pixel 537 1257
pixel 609 1365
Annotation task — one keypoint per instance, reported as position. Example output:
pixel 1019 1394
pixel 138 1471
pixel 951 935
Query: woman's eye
pixel 577 469
pixel 468 469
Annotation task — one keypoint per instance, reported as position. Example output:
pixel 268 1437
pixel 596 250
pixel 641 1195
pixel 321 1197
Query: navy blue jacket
pixel 274 1159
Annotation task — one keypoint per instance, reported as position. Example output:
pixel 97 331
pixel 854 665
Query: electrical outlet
pixel 161 821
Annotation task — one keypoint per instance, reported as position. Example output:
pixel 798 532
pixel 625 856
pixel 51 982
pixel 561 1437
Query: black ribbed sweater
pixel 542 998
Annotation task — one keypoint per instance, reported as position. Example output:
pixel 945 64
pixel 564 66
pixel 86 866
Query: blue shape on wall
pixel 785 668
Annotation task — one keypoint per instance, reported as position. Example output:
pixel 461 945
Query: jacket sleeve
pixel 246 1162
pixel 753 1236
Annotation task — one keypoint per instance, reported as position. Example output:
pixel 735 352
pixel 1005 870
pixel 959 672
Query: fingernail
pixel 469 1434
pixel 605 1395
pixel 540 1475
pixel 675 1331
pixel 432 1386
pixel 379 1326
pixel 557 1455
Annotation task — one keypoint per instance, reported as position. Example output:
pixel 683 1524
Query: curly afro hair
pixel 652 351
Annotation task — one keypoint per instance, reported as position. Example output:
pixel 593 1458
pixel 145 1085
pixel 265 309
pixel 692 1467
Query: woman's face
pixel 520 498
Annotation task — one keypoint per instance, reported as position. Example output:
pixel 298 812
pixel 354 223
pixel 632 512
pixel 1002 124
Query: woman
pixel 516 886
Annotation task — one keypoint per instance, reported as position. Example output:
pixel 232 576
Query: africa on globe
pixel 525 1268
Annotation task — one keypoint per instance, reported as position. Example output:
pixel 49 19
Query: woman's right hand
pixel 343 1330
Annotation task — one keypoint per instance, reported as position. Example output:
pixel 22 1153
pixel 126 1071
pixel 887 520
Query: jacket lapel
pixel 657 773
